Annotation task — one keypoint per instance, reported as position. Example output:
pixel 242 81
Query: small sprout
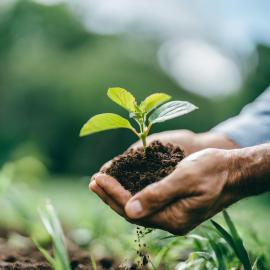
pixel 60 259
pixel 139 112
pixel 93 262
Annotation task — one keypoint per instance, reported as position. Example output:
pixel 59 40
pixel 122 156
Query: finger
pixel 106 199
pixel 113 188
pixel 173 218
pixel 136 145
pixel 156 196
pixel 148 222
pixel 106 166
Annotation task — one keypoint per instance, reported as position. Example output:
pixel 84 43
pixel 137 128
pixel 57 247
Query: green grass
pixel 60 259
pixel 112 235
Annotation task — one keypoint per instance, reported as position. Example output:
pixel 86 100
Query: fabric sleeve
pixel 252 125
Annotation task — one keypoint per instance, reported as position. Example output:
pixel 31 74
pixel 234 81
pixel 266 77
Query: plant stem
pixel 143 138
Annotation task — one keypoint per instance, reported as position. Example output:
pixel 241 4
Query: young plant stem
pixel 144 135
pixel 143 138
pixel 140 119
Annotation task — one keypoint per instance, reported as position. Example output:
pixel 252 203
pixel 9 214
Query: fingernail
pixel 134 208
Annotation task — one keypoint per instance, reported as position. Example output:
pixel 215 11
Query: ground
pixel 91 223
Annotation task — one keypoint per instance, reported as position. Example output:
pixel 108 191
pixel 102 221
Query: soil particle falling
pixel 141 249
pixel 135 169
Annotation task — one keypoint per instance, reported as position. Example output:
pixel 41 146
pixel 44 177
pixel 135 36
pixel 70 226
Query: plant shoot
pixel 149 112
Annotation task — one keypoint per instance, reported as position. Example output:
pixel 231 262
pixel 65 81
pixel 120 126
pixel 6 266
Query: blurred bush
pixel 54 75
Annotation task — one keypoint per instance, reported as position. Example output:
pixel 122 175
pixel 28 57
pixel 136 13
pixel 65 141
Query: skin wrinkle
pixel 252 171
pixel 258 170
pixel 234 174
pixel 202 184
pixel 215 205
pixel 175 218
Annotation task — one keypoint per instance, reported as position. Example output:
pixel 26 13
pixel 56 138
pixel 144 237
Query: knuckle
pixel 181 227
pixel 202 188
pixel 178 221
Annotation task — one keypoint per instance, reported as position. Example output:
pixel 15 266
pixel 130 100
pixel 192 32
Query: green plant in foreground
pixel 60 259
pixel 234 240
pixel 214 248
pixel 139 112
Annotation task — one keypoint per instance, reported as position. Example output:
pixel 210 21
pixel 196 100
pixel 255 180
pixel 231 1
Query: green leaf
pixel 219 254
pixel 45 253
pixel 171 110
pixel 104 121
pixel 224 234
pixel 237 247
pixel 52 224
pixel 243 254
pixel 93 262
pixel 123 98
pixel 153 101
pixel 164 251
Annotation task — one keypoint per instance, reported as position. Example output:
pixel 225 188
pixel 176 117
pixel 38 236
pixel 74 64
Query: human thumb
pixel 152 198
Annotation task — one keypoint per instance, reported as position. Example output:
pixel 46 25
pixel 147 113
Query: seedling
pixel 146 114
pixel 60 260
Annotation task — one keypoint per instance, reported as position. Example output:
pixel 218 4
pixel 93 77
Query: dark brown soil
pixel 135 169
pixel 32 259
pixel 27 257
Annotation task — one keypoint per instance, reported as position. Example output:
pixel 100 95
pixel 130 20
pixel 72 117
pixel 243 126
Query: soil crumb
pixel 136 169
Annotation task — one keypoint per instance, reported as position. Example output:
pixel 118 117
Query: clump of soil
pixel 136 169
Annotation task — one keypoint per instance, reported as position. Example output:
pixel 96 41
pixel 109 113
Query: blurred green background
pixel 54 74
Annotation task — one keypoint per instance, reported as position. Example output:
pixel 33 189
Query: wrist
pixel 249 171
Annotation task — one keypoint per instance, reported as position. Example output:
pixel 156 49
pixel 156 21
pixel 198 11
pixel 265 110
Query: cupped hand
pixel 187 140
pixel 201 185
pixel 183 138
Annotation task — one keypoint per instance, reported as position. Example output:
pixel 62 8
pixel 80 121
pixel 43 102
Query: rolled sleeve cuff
pixel 246 130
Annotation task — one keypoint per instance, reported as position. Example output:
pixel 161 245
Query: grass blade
pixel 234 241
pixel 163 252
pixel 219 255
pixel 223 233
pixel 93 262
pixel 53 227
pixel 45 253
pixel 243 254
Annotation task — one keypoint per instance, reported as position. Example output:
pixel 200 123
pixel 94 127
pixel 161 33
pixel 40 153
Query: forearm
pixel 212 140
pixel 252 126
pixel 251 169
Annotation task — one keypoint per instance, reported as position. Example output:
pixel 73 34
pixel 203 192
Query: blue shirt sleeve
pixel 252 125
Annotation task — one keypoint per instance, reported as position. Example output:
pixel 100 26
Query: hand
pixel 189 141
pixel 202 185
pixel 185 139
